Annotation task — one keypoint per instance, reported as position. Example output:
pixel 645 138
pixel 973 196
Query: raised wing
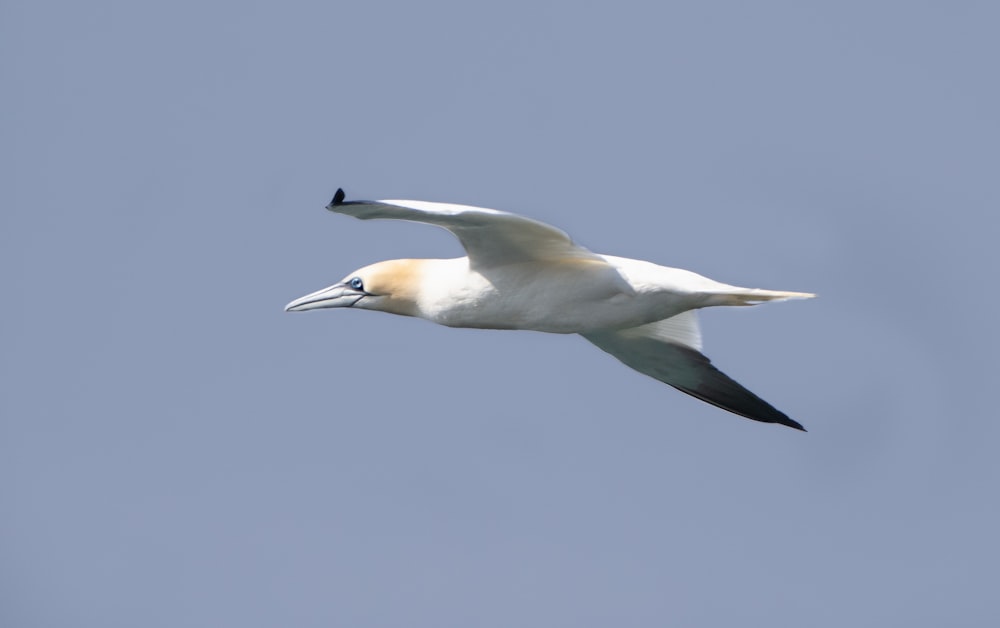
pixel 490 237
pixel 669 350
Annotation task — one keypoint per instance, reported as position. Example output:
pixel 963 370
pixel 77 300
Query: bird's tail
pixel 755 296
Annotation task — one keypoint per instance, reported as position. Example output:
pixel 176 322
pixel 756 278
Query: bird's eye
pixel 356 283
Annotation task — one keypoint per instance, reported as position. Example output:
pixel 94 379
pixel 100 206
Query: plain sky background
pixel 175 450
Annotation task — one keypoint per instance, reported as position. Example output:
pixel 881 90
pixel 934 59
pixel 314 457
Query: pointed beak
pixel 339 295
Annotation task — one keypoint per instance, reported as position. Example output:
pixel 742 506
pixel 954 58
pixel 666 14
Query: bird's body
pixel 563 297
pixel 523 274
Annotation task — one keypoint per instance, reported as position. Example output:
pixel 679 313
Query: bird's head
pixel 390 286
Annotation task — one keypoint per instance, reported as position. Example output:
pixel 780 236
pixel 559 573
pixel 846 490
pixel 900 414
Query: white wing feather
pixel 490 237
pixel 682 329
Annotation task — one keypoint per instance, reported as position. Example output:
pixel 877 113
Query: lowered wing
pixel 669 350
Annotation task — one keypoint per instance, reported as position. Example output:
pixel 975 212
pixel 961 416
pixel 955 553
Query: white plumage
pixel 523 274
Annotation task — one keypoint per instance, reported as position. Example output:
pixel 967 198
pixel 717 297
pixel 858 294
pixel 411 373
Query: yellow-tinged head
pixel 391 286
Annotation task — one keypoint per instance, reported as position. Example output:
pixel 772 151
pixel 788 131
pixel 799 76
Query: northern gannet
pixel 524 274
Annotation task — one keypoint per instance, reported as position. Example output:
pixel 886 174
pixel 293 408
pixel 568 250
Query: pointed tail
pixel 754 296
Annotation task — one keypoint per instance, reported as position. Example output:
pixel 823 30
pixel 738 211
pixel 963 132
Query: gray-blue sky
pixel 175 450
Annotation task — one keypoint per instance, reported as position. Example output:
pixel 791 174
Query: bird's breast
pixel 566 297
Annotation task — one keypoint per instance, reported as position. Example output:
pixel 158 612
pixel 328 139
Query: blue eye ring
pixel 356 283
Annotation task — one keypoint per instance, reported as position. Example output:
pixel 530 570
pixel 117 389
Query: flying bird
pixel 520 273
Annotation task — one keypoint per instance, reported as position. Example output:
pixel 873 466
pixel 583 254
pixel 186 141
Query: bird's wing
pixel 669 350
pixel 490 237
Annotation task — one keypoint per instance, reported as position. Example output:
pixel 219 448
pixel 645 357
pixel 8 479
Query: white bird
pixel 524 274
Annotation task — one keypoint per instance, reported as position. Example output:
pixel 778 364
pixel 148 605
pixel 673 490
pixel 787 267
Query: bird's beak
pixel 339 295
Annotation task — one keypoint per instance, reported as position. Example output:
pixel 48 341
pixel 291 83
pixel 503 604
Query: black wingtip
pixel 338 198
pixel 787 422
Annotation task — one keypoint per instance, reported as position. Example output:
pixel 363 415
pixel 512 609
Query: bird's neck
pixel 406 285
